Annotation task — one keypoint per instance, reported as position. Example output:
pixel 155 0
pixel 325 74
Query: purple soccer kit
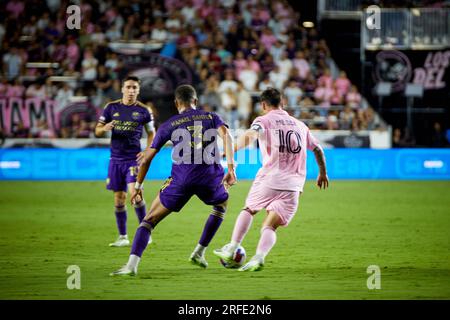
pixel 129 121
pixel 196 170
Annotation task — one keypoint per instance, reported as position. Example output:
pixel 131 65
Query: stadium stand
pixel 235 49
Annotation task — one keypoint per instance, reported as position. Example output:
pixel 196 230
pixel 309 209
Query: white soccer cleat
pixel 124 271
pixel 255 264
pixel 122 241
pixel 198 260
pixel 224 253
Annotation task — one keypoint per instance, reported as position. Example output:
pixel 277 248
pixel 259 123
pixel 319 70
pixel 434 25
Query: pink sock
pixel 267 241
pixel 242 225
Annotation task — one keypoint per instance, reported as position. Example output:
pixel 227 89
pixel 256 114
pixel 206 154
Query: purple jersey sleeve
pixel 106 115
pixel 161 137
pixel 217 120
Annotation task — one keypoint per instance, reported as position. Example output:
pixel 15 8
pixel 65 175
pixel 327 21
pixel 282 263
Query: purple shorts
pixel 120 174
pixel 175 194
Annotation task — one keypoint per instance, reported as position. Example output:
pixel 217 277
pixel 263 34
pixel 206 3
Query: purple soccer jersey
pixel 125 141
pixel 196 167
pixel 127 132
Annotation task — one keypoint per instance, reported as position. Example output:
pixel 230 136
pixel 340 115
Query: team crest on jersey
pixel 116 114
pixel 135 115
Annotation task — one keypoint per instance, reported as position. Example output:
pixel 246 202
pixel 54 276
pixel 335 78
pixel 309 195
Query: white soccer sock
pixel 233 246
pixel 200 249
pixel 133 261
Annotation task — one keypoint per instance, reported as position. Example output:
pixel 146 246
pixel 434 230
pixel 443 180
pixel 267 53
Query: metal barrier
pixel 417 28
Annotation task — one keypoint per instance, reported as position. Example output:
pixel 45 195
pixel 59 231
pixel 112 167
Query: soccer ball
pixel 238 259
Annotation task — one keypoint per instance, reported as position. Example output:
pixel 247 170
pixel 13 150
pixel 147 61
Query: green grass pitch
pixel 403 227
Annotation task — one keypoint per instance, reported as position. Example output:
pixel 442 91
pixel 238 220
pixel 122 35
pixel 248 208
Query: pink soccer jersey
pixel 283 142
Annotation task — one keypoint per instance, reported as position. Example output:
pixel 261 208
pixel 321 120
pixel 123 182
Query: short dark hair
pixel 271 96
pixel 133 78
pixel 185 93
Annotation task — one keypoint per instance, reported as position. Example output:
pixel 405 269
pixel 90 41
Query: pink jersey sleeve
pixel 311 142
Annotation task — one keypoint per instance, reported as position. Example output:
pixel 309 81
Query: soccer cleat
pixel 224 253
pixel 198 260
pixel 122 241
pixel 124 271
pixel 255 264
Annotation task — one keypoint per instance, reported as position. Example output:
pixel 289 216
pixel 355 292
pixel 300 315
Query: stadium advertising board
pixel 92 164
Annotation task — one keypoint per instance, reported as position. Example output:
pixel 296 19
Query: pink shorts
pixel 284 203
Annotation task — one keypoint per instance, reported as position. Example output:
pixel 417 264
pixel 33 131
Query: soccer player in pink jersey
pixel 278 184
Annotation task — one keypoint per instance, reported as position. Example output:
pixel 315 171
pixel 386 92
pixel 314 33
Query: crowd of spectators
pixel 237 48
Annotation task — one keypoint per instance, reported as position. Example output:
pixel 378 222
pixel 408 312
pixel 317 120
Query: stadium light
pixel 308 24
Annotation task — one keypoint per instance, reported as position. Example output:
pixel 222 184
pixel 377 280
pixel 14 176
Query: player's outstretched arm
pixel 322 179
pixel 246 139
pixel 230 177
pixel 102 128
pixel 144 160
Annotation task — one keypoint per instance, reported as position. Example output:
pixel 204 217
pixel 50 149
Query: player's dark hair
pixel 133 78
pixel 271 96
pixel 185 93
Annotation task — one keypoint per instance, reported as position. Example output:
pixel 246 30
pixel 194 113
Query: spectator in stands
pixel 353 98
pixel 12 63
pixel 115 91
pixel 244 104
pixel 293 95
pixel 438 139
pixel 325 80
pixel 229 105
pixel 346 118
pixel 15 89
pixel 337 98
pixel 36 90
pixel 239 63
pixel 210 96
pixel 284 63
pixel 301 64
pixel 248 77
pixel 342 83
pixel 3 87
pixel 103 81
pixel 89 66
pixel 228 82
pixel 277 78
pixel 63 96
pixel 20 131
pixel 323 95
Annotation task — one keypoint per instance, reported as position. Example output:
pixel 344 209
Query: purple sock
pixel 140 210
pixel 212 225
pixel 121 219
pixel 141 237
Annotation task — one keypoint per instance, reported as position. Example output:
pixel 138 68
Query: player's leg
pixel 121 219
pixel 266 242
pixel 139 205
pixel 241 227
pixel 157 213
pixel 256 200
pixel 211 226
pixel 280 212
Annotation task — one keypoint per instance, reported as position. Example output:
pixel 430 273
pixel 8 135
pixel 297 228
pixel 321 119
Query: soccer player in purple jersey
pixel 125 118
pixel 196 170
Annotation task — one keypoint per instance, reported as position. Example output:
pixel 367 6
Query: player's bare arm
pixel 144 160
pixel 230 178
pixel 102 128
pixel 322 179
pixel 246 139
